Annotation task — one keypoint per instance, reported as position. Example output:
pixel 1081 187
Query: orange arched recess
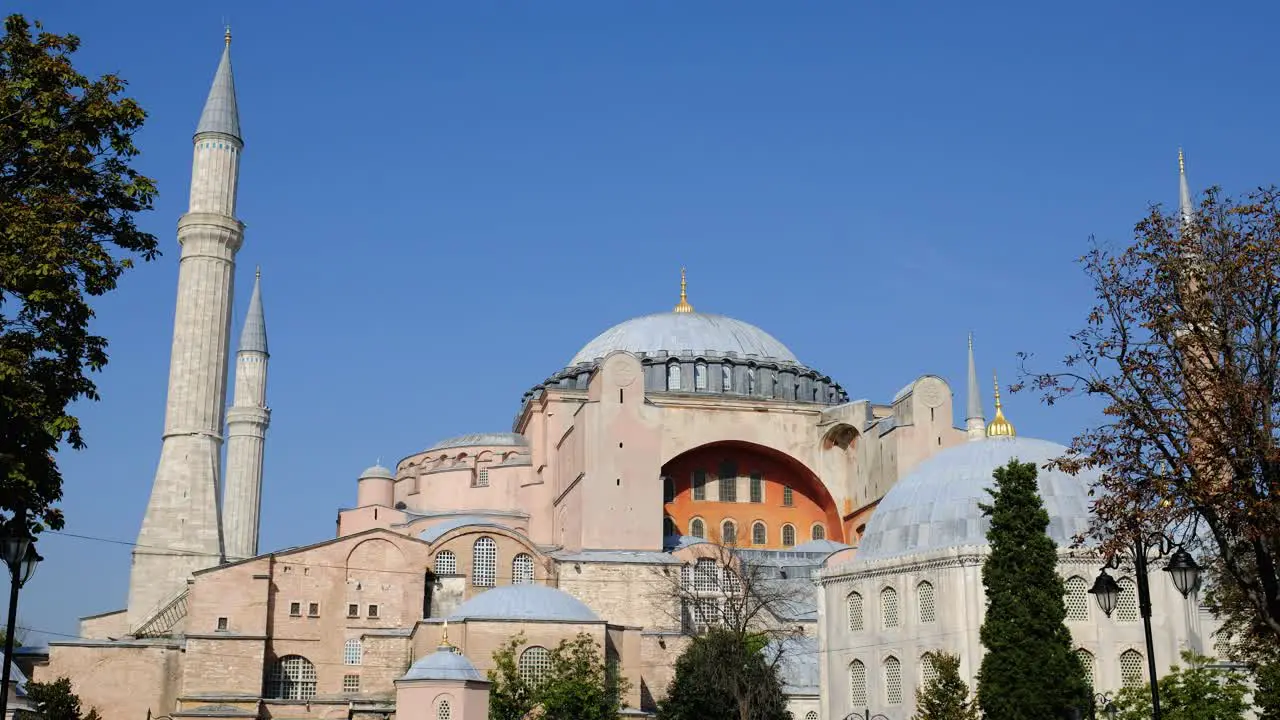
pixel 789 494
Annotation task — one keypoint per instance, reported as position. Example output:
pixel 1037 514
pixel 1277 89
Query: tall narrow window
pixel 788 535
pixel 728 532
pixel 522 569
pixel 673 376
pixel 669 528
pixel 1131 668
pixel 482 477
pixel 788 496
pixel 697 529
pixel 1086 662
pixel 1077 599
pixel 484 562
pixel 668 489
pixel 893 680
pixel 352 652
pixel 751 381
pixel 726 378
pixel 759 533
pixel 699 485
pixel 889 607
pixel 928 670
pixel 858 684
pixel 728 482
pixel 817 532
pixel 757 488
pixel 924 598
pixel 854 606
pixel 446 563
pixel 1127 604
pixel 700 376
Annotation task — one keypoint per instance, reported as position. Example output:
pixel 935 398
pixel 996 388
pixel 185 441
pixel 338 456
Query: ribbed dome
pixel 676 332
pixel 936 505
pixel 524 602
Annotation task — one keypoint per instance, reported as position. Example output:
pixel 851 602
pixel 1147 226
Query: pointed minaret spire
pixel 221 115
pixel 247 423
pixel 253 336
pixel 975 423
pixel 1184 191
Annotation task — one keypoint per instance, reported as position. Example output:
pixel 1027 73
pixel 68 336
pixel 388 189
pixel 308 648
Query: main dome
pixel 676 332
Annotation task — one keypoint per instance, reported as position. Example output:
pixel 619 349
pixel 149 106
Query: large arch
pixel 770 470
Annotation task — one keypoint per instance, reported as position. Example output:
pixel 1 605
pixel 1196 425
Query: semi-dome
pixel 443 664
pixel 935 506
pixel 676 332
pixel 524 602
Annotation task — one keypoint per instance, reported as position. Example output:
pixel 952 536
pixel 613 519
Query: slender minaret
pixel 181 531
pixel 247 422
pixel 975 424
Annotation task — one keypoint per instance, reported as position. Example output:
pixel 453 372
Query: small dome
pixel 936 505
pixel 443 664
pixel 496 439
pixel 377 472
pixel 524 602
pixel 676 332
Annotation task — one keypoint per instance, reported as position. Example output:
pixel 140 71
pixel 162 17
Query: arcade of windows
pixel 726 486
pixel 729 531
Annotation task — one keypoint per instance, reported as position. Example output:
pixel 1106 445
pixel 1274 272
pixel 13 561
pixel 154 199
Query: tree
pixel 578 685
pixel 1266 692
pixel 1196 692
pixel 1030 671
pixel 1183 348
pixel 55 701
pixel 702 690
pixel 68 198
pixel 946 696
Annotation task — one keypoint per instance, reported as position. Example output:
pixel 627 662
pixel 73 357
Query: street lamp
pixel 1104 702
pixel 19 553
pixel 865 715
pixel 1182 568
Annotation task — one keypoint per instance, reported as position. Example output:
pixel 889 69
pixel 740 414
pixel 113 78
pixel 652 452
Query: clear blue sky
pixel 448 199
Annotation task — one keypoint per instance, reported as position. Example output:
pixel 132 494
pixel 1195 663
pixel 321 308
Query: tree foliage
pixel 723 675
pixel 1030 671
pixel 1266 690
pixel 68 197
pixel 1194 692
pixel 1183 347
pixel 580 684
pixel 55 701
pixel 946 696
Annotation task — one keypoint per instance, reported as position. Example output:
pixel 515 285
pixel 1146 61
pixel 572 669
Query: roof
pixel 221 115
pixel 435 532
pixel 827 546
pixel 377 471
pixel 253 337
pixel 503 439
pixel 936 505
pixel 524 602
pixel 443 664
pixel 797 665
pixel 676 333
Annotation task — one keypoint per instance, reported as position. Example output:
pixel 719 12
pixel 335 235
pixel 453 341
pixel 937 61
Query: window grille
pixel 1130 668
pixel 442 710
pixel 788 496
pixel 699 485
pixel 726 379
pixel 292 677
pixel 1127 604
pixel 706 576
pixel 668 490
pixel 708 611
pixel 889 607
pixel 686 577
pixel 728 532
pixel 759 534
pixel 700 376
pixel 535 663
pixel 788 535
pixel 482 477
pixel 446 563
pixel 669 528
pixel 1077 599
pixel 484 562
pixel 757 488
pixel 522 569
pixel 313 609
pixel 732 583
pixel 893 680
pixel 222 623
pixel 728 482
pixel 350 683
pixel 854 603
pixel 924 597
pixel 353 610
pixel 373 611
pixel 295 609
pixel 817 532
pixel 1086 662
pixel 352 652
pixel 673 376
pixel 858 683
pixel 697 529
pixel 928 670
pixel 811 715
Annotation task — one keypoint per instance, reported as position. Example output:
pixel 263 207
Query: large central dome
pixel 676 332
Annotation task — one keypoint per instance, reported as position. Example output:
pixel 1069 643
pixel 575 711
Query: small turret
pixel 376 486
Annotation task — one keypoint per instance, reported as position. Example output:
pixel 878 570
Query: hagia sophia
pixel 663 439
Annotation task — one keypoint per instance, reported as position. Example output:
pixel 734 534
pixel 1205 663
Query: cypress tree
pixel 1030 671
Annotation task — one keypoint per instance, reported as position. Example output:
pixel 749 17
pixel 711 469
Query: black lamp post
pixel 19 553
pixel 1103 702
pixel 865 715
pixel 1182 568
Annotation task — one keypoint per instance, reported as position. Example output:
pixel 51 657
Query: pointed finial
pixel 1182 162
pixel 684 306
pixel 999 427
pixel 444 636
pixel 257 272
pixel 995 378
pixel 227 36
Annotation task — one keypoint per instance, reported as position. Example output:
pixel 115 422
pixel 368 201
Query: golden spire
pixel 444 636
pixel 999 427
pixel 684 306
pixel 227 36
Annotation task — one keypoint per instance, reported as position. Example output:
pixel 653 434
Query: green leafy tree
pixel 1266 691
pixel 1194 692
pixel 580 684
pixel 68 198
pixel 1030 671
pixel 723 675
pixel 55 701
pixel 946 696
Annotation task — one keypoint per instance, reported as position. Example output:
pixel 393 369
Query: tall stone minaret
pixel 247 422
pixel 181 531
pixel 975 424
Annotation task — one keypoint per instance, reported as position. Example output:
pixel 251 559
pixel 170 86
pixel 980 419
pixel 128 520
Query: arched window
pixel 817 532
pixel 728 532
pixel 788 535
pixel 924 597
pixel 811 715
pixel 928 670
pixel 446 563
pixel 889 607
pixel 751 381
pixel 1077 599
pixel 1127 604
pixel 700 376
pixel 484 562
pixel 854 604
pixel 697 529
pixel 759 533
pixel 1086 663
pixel 858 683
pixel 522 569
pixel 534 664
pixel 442 710
pixel 673 376
pixel 726 378
pixel 669 528
pixel 352 652
pixel 1131 668
pixel 292 677
pixel 893 680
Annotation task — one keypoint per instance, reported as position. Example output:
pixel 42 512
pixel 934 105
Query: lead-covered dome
pixel 935 506
pixel 525 602
pixel 677 332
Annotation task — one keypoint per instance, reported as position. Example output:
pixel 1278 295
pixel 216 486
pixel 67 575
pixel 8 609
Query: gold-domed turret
pixel 683 306
pixel 999 427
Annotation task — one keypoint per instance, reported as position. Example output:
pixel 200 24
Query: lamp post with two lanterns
pixel 1182 569
pixel 19 553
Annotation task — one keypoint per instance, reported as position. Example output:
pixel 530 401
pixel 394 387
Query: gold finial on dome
pixel 227 36
pixel 444 636
pixel 684 306
pixel 999 427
